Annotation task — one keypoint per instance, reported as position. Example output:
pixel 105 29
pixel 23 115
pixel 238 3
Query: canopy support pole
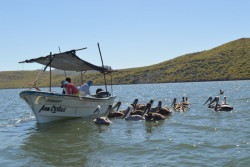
pixel 50 72
pixel 111 84
pixel 102 67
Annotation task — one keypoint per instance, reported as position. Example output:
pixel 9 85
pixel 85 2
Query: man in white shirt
pixel 84 89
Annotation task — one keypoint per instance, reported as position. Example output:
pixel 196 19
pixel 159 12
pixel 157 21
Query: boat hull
pixel 49 107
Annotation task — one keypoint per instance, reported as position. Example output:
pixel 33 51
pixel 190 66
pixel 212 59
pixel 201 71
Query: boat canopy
pixel 68 61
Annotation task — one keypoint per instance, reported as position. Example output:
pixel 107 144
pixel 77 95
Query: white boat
pixel 48 106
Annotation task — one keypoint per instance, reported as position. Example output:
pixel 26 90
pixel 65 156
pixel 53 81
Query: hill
pixel 230 61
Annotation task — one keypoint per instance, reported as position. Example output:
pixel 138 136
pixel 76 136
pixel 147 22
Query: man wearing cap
pixel 70 88
pixel 84 89
pixel 69 81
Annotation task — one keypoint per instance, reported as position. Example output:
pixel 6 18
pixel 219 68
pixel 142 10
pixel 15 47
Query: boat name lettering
pixel 52 109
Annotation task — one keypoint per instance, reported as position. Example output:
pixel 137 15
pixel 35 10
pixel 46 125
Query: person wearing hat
pixel 70 88
pixel 69 81
pixel 84 89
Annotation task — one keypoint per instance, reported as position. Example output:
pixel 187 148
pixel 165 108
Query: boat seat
pixel 103 94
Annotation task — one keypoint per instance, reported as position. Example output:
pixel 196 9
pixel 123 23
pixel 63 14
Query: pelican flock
pixel 141 112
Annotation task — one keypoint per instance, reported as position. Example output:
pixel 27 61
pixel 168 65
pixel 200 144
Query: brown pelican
pixel 163 111
pixel 133 105
pixel 152 116
pixel 156 108
pixel 129 117
pixel 210 105
pixel 185 102
pixel 114 113
pixel 221 91
pixel 225 101
pixel 100 120
pixel 222 107
pixel 178 106
pixel 140 108
pixel 143 106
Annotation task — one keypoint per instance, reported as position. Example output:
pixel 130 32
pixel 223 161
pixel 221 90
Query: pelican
pixel 223 107
pixel 116 113
pixel 143 106
pixel 129 117
pixel 163 111
pixel 156 108
pixel 185 102
pixel 152 116
pixel 178 106
pixel 133 105
pixel 100 120
pixel 221 91
pixel 141 111
pixel 225 101
pixel 210 105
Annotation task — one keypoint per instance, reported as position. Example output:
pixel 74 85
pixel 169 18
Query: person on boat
pixel 70 88
pixel 69 81
pixel 84 89
pixel 98 90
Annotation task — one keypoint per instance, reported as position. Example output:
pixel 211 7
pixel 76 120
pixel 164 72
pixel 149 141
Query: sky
pixel 131 33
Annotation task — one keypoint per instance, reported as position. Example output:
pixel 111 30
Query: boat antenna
pixel 102 66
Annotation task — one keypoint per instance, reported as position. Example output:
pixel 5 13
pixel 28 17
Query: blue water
pixel 197 137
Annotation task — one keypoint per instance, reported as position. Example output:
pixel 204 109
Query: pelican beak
pixel 147 109
pixel 126 112
pixel 216 99
pixel 134 103
pixel 118 104
pixel 209 99
pixel 108 110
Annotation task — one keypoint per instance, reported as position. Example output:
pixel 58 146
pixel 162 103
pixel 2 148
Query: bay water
pixel 196 137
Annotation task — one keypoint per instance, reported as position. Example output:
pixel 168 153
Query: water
pixel 198 137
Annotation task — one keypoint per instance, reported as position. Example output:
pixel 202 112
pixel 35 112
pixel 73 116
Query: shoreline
pixel 146 83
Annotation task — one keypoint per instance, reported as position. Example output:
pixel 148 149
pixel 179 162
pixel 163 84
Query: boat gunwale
pixel 43 93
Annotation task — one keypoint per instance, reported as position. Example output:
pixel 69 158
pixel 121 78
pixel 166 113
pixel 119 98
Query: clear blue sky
pixel 131 33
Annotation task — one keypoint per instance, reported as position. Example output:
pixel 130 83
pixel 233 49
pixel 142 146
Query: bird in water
pixel 114 113
pixel 185 102
pixel 163 110
pixel 100 120
pixel 142 106
pixel 210 105
pixel 178 106
pixel 139 109
pixel 152 116
pixel 129 117
pixel 222 107
pixel 133 105
pixel 221 92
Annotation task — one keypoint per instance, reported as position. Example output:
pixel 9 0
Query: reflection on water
pixel 196 137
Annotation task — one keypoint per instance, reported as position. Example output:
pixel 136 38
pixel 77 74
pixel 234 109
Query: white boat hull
pixel 49 107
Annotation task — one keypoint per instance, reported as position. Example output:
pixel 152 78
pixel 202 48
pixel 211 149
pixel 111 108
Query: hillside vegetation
pixel 230 61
